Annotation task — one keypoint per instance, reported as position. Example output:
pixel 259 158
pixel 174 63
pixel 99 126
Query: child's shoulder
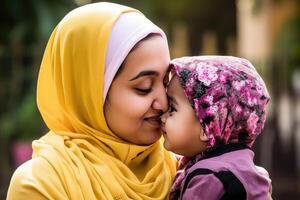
pixel 216 184
pixel 235 174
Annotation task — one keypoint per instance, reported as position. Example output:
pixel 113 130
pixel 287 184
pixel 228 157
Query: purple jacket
pixel 229 167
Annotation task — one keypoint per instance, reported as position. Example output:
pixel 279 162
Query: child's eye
pixel 171 109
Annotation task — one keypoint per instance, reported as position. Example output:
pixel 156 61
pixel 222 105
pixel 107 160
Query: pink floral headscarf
pixel 227 94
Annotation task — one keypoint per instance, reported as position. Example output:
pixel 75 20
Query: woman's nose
pixel 161 101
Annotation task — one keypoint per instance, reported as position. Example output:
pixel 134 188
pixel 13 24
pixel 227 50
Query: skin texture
pixel 182 131
pixel 137 96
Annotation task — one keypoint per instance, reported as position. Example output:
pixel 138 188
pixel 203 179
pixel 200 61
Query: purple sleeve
pixel 204 187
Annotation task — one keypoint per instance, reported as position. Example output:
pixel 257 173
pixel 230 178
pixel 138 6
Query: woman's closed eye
pixel 143 91
pixel 144 87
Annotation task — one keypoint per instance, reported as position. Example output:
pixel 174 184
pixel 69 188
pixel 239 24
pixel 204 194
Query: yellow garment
pixel 80 158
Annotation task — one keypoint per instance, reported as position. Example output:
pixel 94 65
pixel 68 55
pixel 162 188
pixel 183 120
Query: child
pixel 216 111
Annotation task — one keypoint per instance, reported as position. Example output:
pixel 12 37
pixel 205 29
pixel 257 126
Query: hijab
pixel 129 29
pixel 82 56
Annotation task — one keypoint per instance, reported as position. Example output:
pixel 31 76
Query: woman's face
pixel 137 96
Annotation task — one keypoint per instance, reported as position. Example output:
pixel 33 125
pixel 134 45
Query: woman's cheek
pixel 140 104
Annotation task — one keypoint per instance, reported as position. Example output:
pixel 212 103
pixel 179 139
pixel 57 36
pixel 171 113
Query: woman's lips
pixel 154 121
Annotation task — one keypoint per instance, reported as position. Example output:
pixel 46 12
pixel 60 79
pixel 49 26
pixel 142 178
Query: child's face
pixel 182 131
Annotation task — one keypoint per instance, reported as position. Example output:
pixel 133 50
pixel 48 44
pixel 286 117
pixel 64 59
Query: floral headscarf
pixel 227 94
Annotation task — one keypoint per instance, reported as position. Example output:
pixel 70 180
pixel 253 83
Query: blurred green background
pixel 267 32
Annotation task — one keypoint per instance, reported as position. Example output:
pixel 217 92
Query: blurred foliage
pixel 29 20
pixel 28 119
pixel 25 27
pixel 288 42
pixel 23 123
pixel 197 15
pixel 287 51
pixel 257 5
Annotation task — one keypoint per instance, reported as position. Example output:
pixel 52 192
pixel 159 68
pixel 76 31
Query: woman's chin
pixel 154 138
pixel 150 138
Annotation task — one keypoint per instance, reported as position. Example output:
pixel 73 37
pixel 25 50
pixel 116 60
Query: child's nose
pixel 164 118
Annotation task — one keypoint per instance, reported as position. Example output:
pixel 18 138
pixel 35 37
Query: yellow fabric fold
pixel 88 160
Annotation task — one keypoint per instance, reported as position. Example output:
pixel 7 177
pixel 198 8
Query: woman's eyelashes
pixel 144 87
pixel 143 91
pixel 147 86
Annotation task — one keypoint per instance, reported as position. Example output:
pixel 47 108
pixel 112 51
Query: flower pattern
pixel 228 95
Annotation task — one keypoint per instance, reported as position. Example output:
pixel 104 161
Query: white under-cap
pixel 128 30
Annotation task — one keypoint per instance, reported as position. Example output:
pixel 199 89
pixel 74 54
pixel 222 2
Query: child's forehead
pixel 174 84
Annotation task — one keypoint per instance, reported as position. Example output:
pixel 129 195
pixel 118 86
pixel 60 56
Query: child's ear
pixel 203 136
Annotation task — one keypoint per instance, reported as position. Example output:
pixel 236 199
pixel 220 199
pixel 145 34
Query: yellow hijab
pixel 91 161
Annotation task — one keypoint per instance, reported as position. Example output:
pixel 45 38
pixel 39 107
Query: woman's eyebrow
pixel 145 73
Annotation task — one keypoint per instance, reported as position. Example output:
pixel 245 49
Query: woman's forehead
pixel 150 55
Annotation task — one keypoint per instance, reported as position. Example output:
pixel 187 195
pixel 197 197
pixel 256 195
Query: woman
pixel 101 93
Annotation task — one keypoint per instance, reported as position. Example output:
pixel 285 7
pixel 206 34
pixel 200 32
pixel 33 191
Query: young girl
pixel 216 111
